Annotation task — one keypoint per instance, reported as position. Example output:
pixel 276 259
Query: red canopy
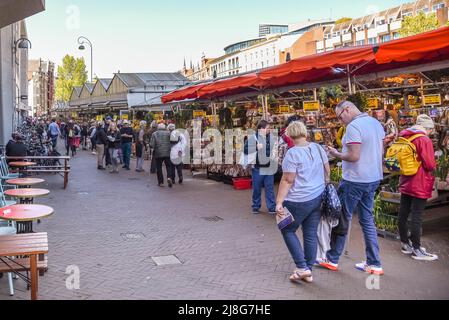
pixel 185 93
pixel 229 86
pixel 426 46
pixel 420 49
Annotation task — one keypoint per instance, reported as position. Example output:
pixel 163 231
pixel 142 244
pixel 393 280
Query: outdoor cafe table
pixel 21 165
pixel 34 246
pixel 26 196
pixel 25 182
pixel 24 215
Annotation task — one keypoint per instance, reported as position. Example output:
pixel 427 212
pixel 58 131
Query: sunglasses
pixel 341 113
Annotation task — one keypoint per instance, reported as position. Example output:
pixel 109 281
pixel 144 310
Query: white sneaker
pixel 370 269
pixel 421 254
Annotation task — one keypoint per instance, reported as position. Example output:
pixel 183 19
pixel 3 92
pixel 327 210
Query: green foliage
pixel 71 73
pixel 327 94
pixel 360 100
pixel 383 215
pixel 336 175
pixel 343 20
pixel 418 24
pixel 442 170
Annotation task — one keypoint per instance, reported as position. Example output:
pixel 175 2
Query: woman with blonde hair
pixel 306 172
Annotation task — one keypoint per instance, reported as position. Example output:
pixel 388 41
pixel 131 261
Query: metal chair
pixel 7 228
pixel 4 170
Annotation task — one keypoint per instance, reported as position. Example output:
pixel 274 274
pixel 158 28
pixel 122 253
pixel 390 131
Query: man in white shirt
pixel 362 157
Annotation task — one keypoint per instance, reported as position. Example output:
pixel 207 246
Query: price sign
pixel 311 105
pixel 199 114
pixel 125 117
pixel 373 103
pixel 432 100
pixel 99 118
pixel 284 109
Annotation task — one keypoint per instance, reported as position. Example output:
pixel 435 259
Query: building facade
pixel 126 91
pixel 14 47
pixel 269 29
pixel 41 87
pixel 379 27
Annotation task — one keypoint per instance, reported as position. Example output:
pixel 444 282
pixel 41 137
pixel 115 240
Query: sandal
pixel 301 275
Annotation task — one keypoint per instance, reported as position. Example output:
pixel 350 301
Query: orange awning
pixel 229 86
pixel 186 93
pixel 433 45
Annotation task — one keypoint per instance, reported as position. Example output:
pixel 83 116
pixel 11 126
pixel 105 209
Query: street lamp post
pixel 82 41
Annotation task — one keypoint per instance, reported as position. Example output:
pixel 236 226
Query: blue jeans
pixel 54 141
pixel 307 215
pixel 356 196
pixel 267 182
pixel 126 153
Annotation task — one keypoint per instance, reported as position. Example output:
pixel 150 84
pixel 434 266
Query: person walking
pixel 84 135
pixel 417 189
pixel 305 174
pixel 101 141
pixel 160 143
pixel 153 129
pixel 178 152
pixel 261 179
pixel 106 151
pixel 140 146
pixel 92 136
pixel 54 133
pixel 362 156
pixel 127 135
pixel 114 141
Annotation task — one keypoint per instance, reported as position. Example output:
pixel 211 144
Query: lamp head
pixel 82 47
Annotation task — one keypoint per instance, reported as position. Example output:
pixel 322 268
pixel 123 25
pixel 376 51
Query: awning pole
pixel 348 72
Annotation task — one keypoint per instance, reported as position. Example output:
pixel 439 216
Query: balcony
pixel 347 37
pixel 360 36
pixel 382 29
pixel 320 45
pixel 396 25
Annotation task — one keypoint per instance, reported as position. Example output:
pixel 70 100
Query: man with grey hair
pixel 362 157
pixel 160 143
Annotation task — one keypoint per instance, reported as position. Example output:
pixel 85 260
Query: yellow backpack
pixel 402 157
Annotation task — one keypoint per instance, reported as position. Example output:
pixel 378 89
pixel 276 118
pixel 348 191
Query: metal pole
pixel 349 79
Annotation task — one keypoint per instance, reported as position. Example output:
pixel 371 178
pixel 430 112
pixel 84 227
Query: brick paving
pixel 111 225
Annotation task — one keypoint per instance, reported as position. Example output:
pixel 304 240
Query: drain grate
pixel 213 219
pixel 166 260
pixel 132 235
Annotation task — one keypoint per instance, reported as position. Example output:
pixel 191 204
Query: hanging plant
pixel 330 95
pixel 360 100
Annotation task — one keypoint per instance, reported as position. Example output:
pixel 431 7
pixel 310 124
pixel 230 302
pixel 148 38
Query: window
pixel 396 35
pixel 262 65
pixel 385 38
pixel 372 40
pixel 438 6
pixel 360 43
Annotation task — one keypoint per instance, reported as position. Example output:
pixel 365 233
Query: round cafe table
pixel 25 182
pixel 26 196
pixel 21 165
pixel 24 215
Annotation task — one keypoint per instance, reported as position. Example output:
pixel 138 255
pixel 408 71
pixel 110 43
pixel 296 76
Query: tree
pixel 418 24
pixel 72 73
pixel 343 20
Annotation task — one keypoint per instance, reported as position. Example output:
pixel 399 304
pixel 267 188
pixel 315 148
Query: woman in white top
pixel 306 172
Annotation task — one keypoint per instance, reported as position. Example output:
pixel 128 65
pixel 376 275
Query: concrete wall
pixel 7 90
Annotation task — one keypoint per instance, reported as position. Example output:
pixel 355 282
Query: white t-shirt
pixel 307 163
pixel 369 133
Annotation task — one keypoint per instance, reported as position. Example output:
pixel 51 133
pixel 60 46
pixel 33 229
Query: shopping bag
pixel 286 220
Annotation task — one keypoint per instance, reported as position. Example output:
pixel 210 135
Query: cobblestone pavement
pixel 111 225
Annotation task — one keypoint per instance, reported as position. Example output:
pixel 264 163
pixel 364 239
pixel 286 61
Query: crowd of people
pixel 306 173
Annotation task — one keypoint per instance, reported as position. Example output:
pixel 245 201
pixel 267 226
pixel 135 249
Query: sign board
pixel 74 115
pixel 284 109
pixel 199 113
pixel 373 103
pixel 212 118
pixel 99 118
pixel 125 117
pixel 432 100
pixel 311 105
pixel 158 116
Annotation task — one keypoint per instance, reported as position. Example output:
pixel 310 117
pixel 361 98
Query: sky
pixel 156 36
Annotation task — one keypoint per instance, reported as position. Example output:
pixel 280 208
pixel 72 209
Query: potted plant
pixel 386 219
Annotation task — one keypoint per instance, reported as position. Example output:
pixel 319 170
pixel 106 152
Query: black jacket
pixel 254 140
pixel 101 137
pixel 117 142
